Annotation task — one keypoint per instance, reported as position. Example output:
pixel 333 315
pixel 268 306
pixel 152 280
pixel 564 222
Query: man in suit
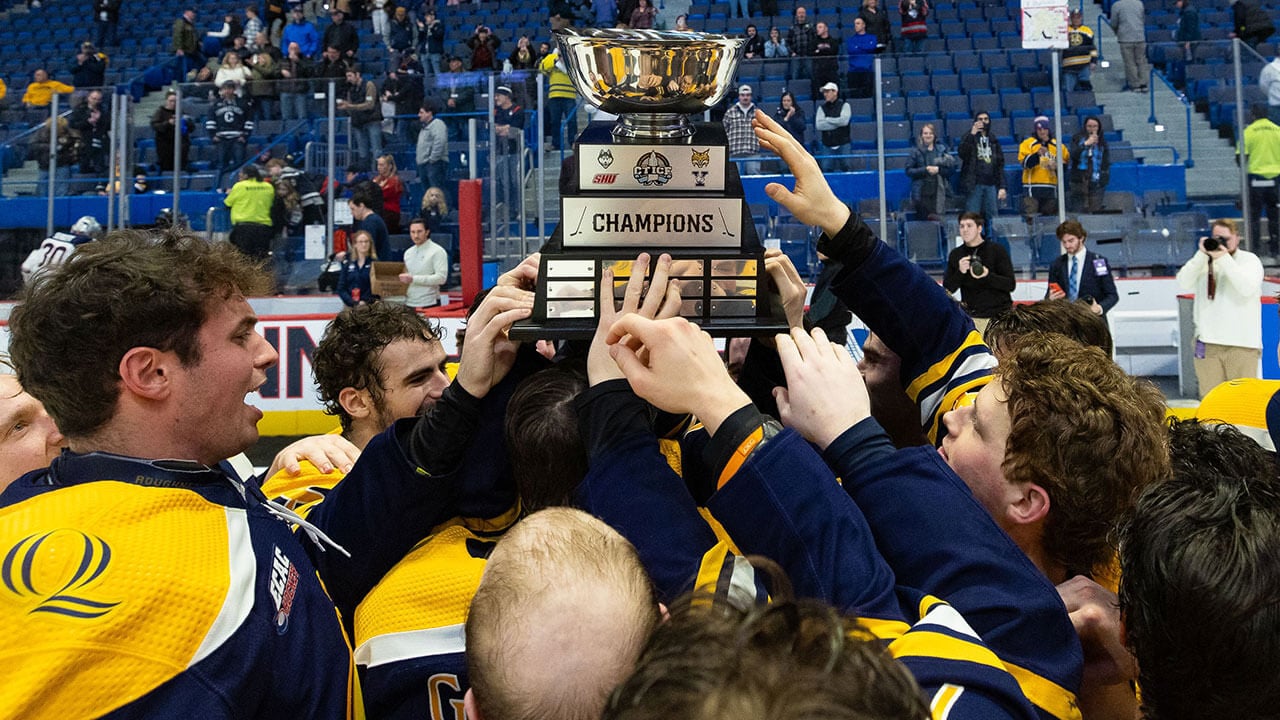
pixel 1080 274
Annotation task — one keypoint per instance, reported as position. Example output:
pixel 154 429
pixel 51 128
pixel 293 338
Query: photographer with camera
pixel 1081 274
pixel 982 271
pixel 1227 281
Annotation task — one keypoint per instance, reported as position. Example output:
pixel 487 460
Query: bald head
pixel 560 617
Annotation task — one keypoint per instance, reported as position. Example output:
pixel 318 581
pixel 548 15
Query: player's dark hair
pixel 789 659
pixel 131 289
pixel 974 216
pixel 1200 580
pixel 1064 317
pixel 1088 433
pixel 548 460
pixel 348 353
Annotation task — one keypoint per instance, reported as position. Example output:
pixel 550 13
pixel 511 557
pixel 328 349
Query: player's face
pixel 413 379
pixel 1071 243
pixel 28 438
pixel 214 416
pixel 969 231
pixel 880 367
pixel 974 447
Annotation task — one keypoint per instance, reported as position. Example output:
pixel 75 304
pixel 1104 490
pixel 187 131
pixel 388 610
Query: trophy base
pixel 585 329
pixel 655 126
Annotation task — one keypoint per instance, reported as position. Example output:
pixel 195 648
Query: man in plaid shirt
pixel 737 126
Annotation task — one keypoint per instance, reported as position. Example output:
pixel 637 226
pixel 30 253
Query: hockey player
pixel 55 250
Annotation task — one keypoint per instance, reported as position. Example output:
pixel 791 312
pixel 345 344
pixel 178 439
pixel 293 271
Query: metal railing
pixel 1186 106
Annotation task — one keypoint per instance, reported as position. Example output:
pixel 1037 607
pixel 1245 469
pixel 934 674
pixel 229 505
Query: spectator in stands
pixel 426 267
pixel 877 21
pixel 982 169
pixel 90 69
pixel 66 156
pixel 643 16
pixel 1090 168
pixel 225 35
pixel 754 47
pixel 914 15
pixel 432 151
pixel 431 35
pixel 186 41
pixel 378 13
pixel 250 201
pixel 1200 546
pixel 240 47
pixel 800 39
pixel 682 23
pixel 252 26
pixel 1269 81
pixel 776 45
pixel 1250 22
pixel 606 13
pixel 1187 32
pixel 264 44
pixel 1227 281
pixel 229 124
pixel 831 119
pixel 93 122
pixel 106 21
pixel 929 168
pixel 457 94
pixel 363 202
pixel 1079 274
pixel 1262 150
pixel 233 71
pixel 301 32
pixel 508 128
pixel 1078 58
pixel 484 49
pixel 264 85
pixel 359 101
pixel 332 66
pixel 982 271
pixel 39 92
pixel 354 287
pixel 791 116
pixel 342 35
pixel 826 58
pixel 388 178
pixel 737 126
pixel 295 90
pixel 562 96
pixel 861 47
pixel 1128 20
pixel 1038 156
pixel 524 61
pixel 402 35
pixel 403 89
pixel 435 208
pixel 166 124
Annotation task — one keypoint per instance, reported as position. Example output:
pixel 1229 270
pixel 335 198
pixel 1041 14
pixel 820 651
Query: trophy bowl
pixel 651 79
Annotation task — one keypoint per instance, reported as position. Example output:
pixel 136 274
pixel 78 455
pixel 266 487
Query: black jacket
pixel 969 162
pixel 989 295
pixel 1095 279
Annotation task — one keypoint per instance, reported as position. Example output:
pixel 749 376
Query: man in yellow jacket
pixel 250 201
pixel 1262 147
pixel 40 92
pixel 1038 156
pixel 562 98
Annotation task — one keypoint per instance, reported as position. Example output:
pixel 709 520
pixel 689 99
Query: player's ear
pixel 147 372
pixel 1031 505
pixel 470 707
pixel 357 403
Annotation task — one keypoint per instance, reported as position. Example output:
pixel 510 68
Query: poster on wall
pixel 1045 24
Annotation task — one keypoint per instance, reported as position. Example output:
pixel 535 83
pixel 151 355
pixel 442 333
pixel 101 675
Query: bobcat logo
pixel 605 158
pixel 701 158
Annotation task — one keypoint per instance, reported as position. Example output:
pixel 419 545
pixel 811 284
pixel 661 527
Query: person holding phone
pixel 1081 274
pixel 1090 168
pixel 982 169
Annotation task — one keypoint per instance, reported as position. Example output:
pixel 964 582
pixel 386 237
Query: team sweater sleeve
pixel 943 356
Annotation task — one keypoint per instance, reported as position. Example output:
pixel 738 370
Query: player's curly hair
pixel 348 353
pixel 1092 436
pixel 793 659
pixel 1065 317
pixel 1200 579
pixel 131 289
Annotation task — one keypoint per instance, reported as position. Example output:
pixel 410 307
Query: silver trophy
pixel 654 182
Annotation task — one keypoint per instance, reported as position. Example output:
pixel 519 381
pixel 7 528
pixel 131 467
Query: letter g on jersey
pixel 57 567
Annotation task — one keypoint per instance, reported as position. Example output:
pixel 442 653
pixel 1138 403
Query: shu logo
pixel 605 158
pixel 701 159
pixel 284 586
pixel 652 168
pixel 36 567
pixel 604 178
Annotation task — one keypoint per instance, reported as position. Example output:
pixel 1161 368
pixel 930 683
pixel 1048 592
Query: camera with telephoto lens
pixel 975 266
pixel 1212 243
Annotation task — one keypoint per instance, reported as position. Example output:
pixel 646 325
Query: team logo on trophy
pixel 653 168
pixel 605 158
pixel 700 158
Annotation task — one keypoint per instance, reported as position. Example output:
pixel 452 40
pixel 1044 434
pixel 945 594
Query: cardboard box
pixel 384 278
